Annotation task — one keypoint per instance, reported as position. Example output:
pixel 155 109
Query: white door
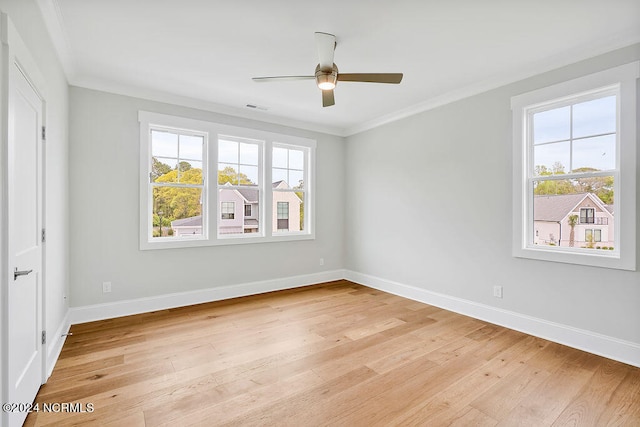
pixel 24 325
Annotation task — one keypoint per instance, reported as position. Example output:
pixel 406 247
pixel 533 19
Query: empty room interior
pixel 336 213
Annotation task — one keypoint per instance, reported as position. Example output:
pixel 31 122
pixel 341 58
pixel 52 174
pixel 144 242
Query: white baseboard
pixel 91 313
pixel 55 343
pixel 602 345
pixel 592 342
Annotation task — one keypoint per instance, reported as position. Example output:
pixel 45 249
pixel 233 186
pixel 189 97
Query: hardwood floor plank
pixel 336 354
pixel 591 402
pixel 472 417
pixel 311 407
pixel 547 401
pixel 623 407
pixel 446 404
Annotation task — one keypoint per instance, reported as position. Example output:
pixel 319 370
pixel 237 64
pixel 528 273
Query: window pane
pixel 279 159
pixel 551 125
pixel 164 144
pixel 296 159
pixel 227 151
pixel 160 167
pixel 587 216
pixel 594 117
pixel 279 175
pixel 227 173
pixel 597 235
pixel 588 235
pixel 249 154
pixel 228 210
pixel 177 212
pixel 191 147
pixel 564 209
pixel 190 172
pixel 551 159
pixel 248 175
pixel 283 210
pixel 296 179
pixel 597 153
pixel 282 214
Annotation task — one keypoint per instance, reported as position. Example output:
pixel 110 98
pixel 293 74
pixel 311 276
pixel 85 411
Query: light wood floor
pixel 335 354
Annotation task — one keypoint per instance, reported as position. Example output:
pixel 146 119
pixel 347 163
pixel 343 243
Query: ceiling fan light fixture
pixel 326 80
pixel 326 85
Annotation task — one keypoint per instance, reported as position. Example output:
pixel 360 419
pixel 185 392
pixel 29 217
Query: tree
pixel 229 175
pixel 158 168
pixel 300 195
pixel 175 202
pixel 601 186
pixel 573 220
pixel 184 166
pixel 563 186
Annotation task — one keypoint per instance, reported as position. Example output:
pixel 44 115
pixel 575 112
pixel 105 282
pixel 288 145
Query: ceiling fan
pixel 327 75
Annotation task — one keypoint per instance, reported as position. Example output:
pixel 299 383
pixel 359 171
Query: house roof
pixel 193 221
pixel 555 207
pixel 250 195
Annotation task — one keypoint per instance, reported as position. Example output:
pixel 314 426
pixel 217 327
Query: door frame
pixel 14 51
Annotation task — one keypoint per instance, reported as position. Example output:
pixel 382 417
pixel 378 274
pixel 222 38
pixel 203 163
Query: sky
pixel 579 135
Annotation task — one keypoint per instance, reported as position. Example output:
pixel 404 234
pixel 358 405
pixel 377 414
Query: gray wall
pixel 442 180
pixel 104 162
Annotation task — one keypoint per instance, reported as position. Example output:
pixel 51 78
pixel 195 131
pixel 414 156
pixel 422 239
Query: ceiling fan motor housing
pixel 326 79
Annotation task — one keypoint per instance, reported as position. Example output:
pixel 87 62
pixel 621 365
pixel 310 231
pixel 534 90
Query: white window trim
pixel 308 177
pixel 210 236
pixel 624 257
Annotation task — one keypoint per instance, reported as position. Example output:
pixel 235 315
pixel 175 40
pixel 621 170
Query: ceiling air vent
pixel 256 107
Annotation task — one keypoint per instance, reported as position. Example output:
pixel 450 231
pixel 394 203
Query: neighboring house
pixel 594 226
pixel 187 226
pixel 239 212
pixel 286 208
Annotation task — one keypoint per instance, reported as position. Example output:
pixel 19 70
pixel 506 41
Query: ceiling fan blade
pixel 394 78
pixel 327 98
pixel 281 78
pixel 326 44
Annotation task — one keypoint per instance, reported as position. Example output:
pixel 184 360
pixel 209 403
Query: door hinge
pixel 44 133
pixel 44 236
pixel 44 337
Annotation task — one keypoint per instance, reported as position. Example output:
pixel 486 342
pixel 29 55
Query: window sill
pixel 578 256
pixel 222 241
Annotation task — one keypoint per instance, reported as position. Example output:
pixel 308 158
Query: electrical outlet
pixel 321 261
pixel 497 291
pixel 106 287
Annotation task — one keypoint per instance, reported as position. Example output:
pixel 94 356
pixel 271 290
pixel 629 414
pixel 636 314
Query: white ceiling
pixel 203 53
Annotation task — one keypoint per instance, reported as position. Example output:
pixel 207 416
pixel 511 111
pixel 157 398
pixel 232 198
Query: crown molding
pixel 548 64
pixel 201 104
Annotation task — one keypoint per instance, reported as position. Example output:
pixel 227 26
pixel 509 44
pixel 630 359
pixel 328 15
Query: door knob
pixel 17 273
